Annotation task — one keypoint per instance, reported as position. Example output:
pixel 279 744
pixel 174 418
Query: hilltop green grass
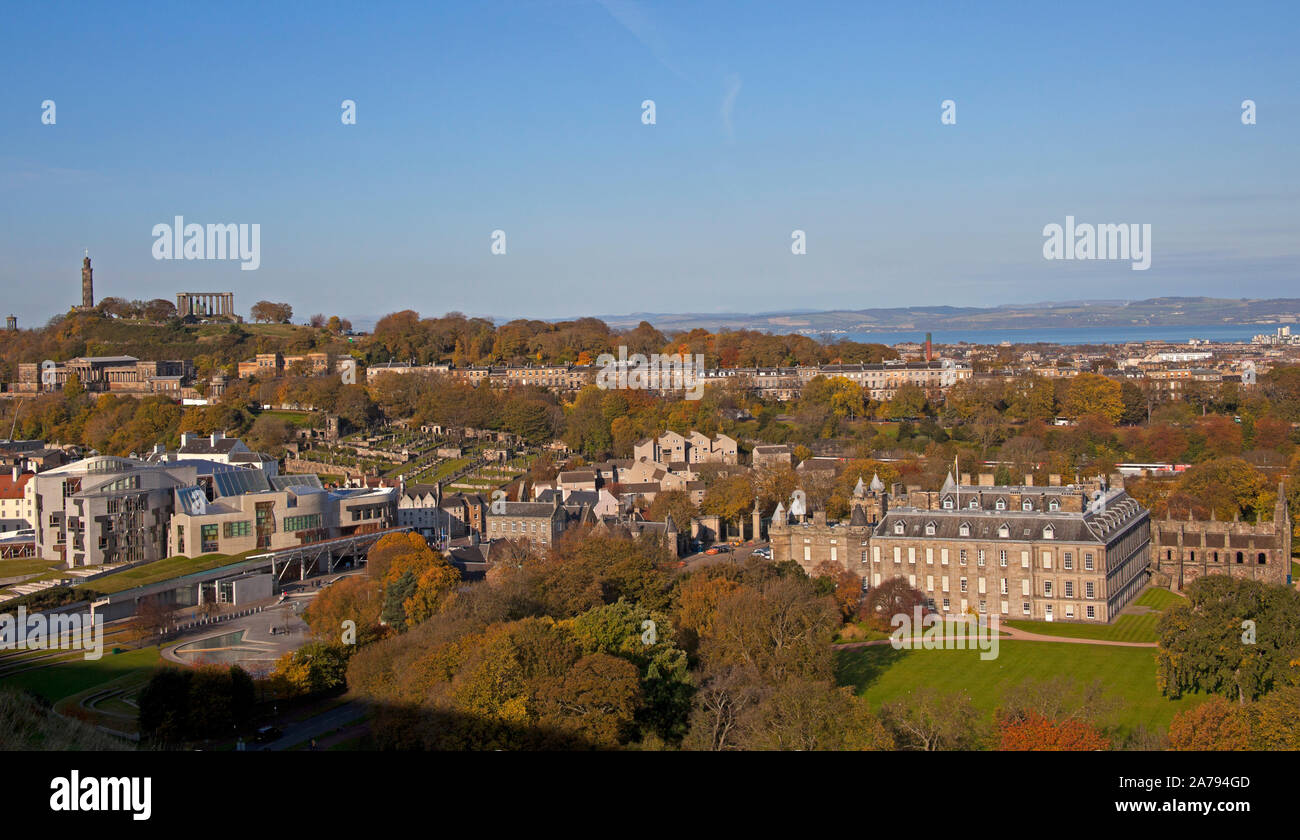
pixel 881 674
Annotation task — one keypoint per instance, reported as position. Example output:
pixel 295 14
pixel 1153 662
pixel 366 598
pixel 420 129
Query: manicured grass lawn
pixel 73 676
pixel 1295 571
pixel 24 566
pixel 293 418
pixel 1157 598
pixel 881 674
pixel 163 570
pixel 1126 628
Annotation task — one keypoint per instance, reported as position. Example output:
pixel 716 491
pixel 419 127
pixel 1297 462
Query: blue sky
pixel 526 117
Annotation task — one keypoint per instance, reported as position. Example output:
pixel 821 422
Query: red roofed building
pixel 17 501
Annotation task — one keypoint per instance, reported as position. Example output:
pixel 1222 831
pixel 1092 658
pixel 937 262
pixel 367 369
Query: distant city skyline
pixel 527 118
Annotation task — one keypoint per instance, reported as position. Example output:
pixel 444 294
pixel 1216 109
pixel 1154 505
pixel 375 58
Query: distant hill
pixel 1153 312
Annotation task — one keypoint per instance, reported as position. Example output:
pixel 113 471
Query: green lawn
pixel 24 566
pixel 75 675
pixel 1157 598
pixel 163 570
pixel 1126 628
pixel 293 418
pixel 881 674
pixel 445 469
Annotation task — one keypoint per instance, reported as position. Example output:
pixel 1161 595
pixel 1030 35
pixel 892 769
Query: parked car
pixel 720 548
pixel 267 734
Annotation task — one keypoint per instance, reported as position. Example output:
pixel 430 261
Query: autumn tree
pixel 676 503
pixel 926 720
pixel 803 714
pixel 698 596
pixel 1273 724
pixel 908 401
pixel 1035 732
pixel 314 668
pixel 1213 725
pixel 846 587
pixel 730 498
pixel 890 598
pixel 646 639
pixel 267 312
pixel 355 598
pixel 414 580
pixel 1058 699
pixel 780 628
pixel 1091 393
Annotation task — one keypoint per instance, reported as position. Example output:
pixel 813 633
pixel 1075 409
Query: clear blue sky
pixel 525 116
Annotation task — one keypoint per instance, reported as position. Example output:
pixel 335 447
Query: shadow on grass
pixel 861 667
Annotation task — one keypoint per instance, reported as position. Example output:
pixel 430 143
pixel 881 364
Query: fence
pixel 214 619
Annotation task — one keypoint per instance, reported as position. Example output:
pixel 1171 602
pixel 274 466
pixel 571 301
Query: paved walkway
pixel 1012 634
pixel 259 648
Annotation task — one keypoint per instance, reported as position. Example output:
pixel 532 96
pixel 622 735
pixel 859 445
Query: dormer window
pixel 964 529
pixel 1026 505
pixel 1004 531
pixel 974 504
pixel 1053 505
pixel 898 527
pixel 947 504
pixel 1048 532
pixel 929 529
pixel 1000 504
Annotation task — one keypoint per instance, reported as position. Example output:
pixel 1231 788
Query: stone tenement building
pixel 1078 553
pixel 694 448
pixel 882 381
pixel 1182 551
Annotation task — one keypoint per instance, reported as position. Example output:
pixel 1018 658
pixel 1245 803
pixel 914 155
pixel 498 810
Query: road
pixel 317 726
pixel 738 554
